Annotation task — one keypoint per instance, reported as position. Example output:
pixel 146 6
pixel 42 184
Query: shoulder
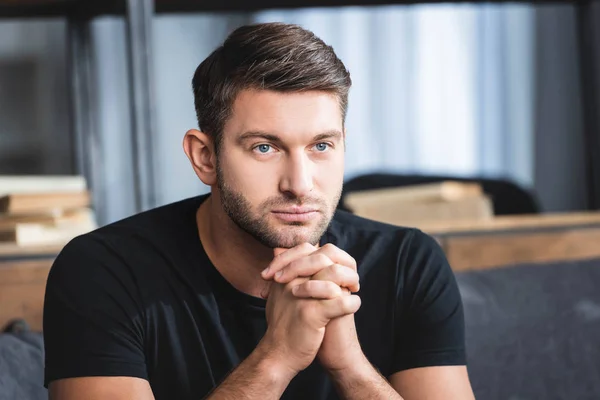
pixel 160 221
pixel 405 255
pixel 351 230
pixel 128 242
pixel 154 226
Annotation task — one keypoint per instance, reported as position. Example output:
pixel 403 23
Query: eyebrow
pixel 333 134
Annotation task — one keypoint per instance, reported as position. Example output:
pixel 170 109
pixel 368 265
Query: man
pixel 251 292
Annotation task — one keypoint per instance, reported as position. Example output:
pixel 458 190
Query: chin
pixel 293 235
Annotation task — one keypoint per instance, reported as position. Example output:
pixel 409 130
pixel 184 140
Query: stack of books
pixel 44 210
pixel 419 205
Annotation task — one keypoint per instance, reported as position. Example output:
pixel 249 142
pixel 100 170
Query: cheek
pixel 330 176
pixel 255 181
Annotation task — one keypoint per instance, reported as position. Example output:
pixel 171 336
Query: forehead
pixel 292 115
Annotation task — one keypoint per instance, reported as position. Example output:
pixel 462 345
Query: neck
pixel 237 256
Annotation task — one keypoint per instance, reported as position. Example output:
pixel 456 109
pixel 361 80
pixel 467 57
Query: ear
pixel 200 150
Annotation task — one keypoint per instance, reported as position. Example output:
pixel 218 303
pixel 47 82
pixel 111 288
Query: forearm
pixel 257 377
pixel 363 381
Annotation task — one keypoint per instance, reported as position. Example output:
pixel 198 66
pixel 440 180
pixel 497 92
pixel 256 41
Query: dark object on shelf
pixel 508 198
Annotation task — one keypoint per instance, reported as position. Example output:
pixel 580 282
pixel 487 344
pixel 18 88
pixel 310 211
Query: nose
pixel 297 178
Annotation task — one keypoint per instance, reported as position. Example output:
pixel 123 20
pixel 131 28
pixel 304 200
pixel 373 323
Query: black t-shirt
pixel 140 298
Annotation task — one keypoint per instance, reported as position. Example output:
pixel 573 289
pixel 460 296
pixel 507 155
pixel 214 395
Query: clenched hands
pixel 310 308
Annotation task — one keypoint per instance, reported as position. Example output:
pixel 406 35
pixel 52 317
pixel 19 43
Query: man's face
pixel 281 165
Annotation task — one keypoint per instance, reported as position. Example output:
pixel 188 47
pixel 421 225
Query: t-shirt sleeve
pixel 93 320
pixel 430 328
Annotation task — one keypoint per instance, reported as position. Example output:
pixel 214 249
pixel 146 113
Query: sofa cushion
pixel 533 331
pixel 22 366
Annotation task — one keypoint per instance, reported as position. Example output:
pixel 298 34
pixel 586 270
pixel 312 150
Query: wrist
pixel 273 366
pixel 359 370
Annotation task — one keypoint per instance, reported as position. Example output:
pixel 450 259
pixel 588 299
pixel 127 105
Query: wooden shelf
pixel 511 223
pixel 22 288
pixel 510 240
pixel 10 251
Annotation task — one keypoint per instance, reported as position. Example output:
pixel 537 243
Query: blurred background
pixel 477 122
pixel 486 90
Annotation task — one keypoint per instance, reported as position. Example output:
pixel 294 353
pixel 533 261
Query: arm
pixel 429 360
pixel 353 375
pixel 446 382
pixel 295 332
pixel 93 333
pixel 100 388
pixel 257 377
pixel 429 356
pixel 363 382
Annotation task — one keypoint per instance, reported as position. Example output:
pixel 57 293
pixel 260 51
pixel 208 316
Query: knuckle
pixel 306 246
pixel 322 259
pixel 337 269
pixel 346 304
pixel 332 289
pixel 330 285
pixel 289 287
pixel 328 247
pixel 326 286
pixel 322 288
pixel 308 287
pixel 353 263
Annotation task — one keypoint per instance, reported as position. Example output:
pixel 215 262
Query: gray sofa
pixel 532 331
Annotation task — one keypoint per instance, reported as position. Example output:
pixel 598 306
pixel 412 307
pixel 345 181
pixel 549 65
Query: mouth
pixel 296 214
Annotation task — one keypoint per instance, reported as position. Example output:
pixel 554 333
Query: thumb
pixel 278 250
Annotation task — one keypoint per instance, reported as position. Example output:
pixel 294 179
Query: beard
pixel 288 235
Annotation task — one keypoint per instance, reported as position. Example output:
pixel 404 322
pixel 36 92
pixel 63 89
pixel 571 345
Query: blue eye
pixel 322 146
pixel 263 148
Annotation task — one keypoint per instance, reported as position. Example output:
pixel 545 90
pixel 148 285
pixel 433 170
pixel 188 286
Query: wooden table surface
pixel 518 239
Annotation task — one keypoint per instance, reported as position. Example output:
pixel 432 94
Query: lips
pixel 296 210
pixel 296 214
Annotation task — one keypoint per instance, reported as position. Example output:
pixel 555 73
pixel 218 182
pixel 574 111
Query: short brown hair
pixel 269 56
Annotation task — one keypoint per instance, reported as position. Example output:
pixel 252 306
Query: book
pixel 11 251
pixel 428 192
pixel 53 217
pixel 415 214
pixel 14 184
pixel 47 234
pixel 35 203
